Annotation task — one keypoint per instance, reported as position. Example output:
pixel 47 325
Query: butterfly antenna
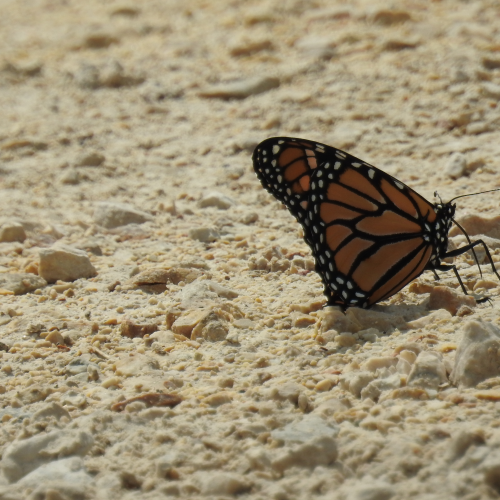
pixel 468 239
pixel 470 194
pixel 436 195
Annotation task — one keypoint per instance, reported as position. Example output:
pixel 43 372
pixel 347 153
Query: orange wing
pixel 369 233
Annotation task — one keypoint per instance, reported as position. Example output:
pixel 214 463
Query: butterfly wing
pixel 370 234
pixel 284 166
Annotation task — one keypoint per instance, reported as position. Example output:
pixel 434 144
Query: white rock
pixel 316 46
pixel 12 231
pixel 461 442
pixel 428 371
pixel 90 159
pixel 354 382
pixel 51 410
pixel 403 366
pixel 167 462
pixel 220 483
pixel 204 234
pixel 456 165
pixel 22 457
pixel 21 283
pixel 216 199
pixel 289 391
pixel 71 177
pixel 435 316
pixel 375 363
pixel 374 491
pixel 111 215
pixel 321 450
pixel 490 89
pixel 375 388
pixel 305 430
pixel 478 355
pixel 259 458
pixel 65 263
pixel 68 471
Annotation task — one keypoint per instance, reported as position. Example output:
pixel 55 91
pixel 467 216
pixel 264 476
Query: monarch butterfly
pixel 369 233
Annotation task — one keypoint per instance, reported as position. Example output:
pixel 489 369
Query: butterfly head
pixel 442 225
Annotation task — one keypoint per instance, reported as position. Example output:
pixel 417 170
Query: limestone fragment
pixel 22 457
pixel 318 451
pixel 316 46
pixel 112 215
pixel 131 329
pixel 443 297
pixel 66 476
pixel 216 199
pixel 21 283
pixel 456 165
pixel 12 231
pixel 220 483
pixel 478 355
pixel 204 234
pixel 90 159
pixel 428 371
pixel 65 263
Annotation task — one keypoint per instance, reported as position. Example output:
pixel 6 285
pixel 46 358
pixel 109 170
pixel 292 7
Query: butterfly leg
pixel 435 274
pixel 449 267
pixel 466 248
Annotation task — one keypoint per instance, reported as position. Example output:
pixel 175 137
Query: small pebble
pixel 204 234
pixel 62 262
pixel 215 199
pixel 12 231
pixel 112 215
pixel 456 165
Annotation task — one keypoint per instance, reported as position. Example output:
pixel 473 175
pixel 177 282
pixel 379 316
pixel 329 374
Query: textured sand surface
pixel 162 333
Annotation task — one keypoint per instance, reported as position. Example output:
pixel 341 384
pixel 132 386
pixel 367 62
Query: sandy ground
pixel 162 333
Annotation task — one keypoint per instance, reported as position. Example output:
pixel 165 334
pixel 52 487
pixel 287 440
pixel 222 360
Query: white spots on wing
pixel 337 165
pixel 276 149
pixel 280 179
pixel 371 173
pixel 344 294
pixel 340 281
pixel 356 165
pixel 330 176
pixel 320 183
pixel 400 185
pixel 319 174
pixel 349 285
pixel 281 142
pixel 303 204
pixel 273 163
pixel 327 165
pixel 358 294
pixel 288 191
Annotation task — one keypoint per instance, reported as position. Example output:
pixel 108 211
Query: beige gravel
pixel 126 135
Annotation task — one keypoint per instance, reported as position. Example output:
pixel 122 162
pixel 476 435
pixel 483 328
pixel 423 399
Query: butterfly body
pixel 369 233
